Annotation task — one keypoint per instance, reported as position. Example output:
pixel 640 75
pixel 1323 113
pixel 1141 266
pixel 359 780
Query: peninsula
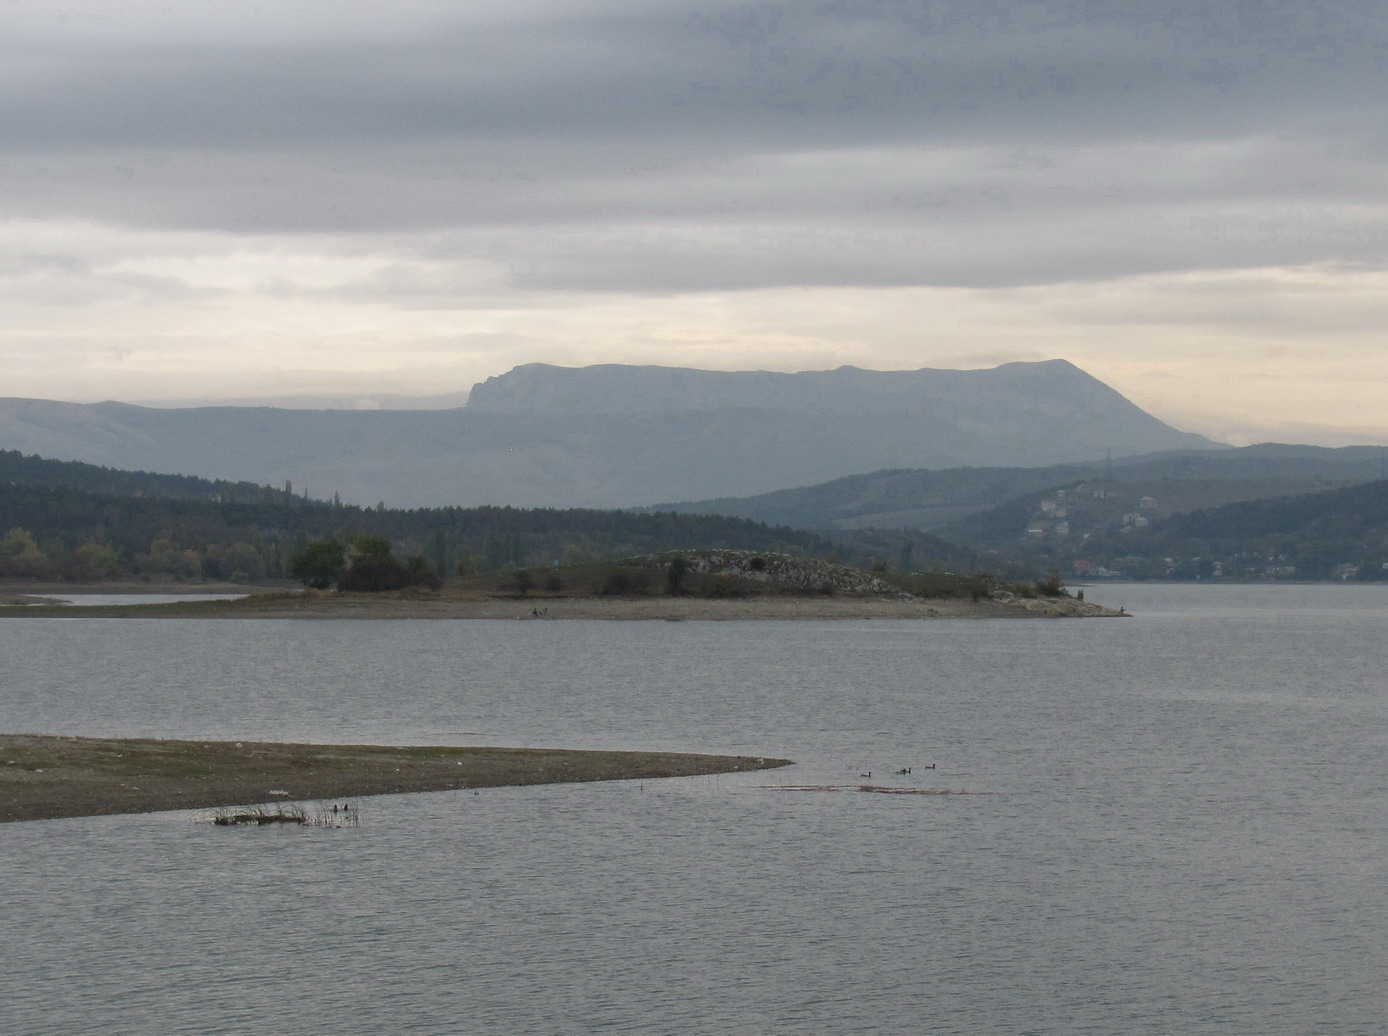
pixel 432 605
pixel 43 777
pixel 699 585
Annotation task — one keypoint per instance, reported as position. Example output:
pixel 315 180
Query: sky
pixel 347 201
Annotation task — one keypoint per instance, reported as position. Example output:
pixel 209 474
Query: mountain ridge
pixel 623 388
pixel 496 451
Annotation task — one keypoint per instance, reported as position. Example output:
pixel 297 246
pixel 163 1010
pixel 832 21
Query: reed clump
pixel 321 815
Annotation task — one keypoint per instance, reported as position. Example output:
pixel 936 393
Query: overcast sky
pixel 225 199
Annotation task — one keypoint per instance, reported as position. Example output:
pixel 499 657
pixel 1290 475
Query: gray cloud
pixel 716 145
pixel 729 76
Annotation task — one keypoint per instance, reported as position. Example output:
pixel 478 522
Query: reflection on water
pixel 1174 825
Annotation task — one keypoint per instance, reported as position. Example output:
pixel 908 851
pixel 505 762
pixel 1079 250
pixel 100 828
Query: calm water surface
pixel 91 600
pixel 1171 824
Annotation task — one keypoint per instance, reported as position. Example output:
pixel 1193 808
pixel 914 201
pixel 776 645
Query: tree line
pixel 51 530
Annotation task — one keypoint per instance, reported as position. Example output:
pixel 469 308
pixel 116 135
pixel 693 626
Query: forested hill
pixel 52 525
pixel 18 469
pixel 1336 534
pixel 936 500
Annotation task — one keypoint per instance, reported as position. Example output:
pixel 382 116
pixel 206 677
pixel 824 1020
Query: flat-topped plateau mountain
pixel 619 436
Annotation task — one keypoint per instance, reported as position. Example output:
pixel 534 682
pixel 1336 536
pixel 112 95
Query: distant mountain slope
pixel 914 498
pixel 618 436
pixel 17 469
pixel 1052 388
pixel 1337 534
pixel 944 500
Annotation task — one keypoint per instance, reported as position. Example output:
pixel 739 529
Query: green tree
pixel 369 545
pixel 371 566
pixel 493 551
pixel 419 572
pixel 19 543
pixel 21 558
pixel 95 561
pixel 373 572
pixel 242 563
pixel 438 550
pixel 675 575
pixel 319 564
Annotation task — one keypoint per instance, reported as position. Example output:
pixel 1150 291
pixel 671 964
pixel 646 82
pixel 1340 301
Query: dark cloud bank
pixel 691 146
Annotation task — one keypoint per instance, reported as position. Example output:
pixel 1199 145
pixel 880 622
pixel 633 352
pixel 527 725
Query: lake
pixel 1171 823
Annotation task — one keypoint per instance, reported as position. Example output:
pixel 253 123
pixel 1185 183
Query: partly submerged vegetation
pixel 319 815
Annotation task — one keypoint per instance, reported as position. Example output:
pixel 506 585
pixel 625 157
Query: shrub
pixel 371 574
pixel 675 575
pixel 725 586
pixel 625 581
pixel 318 565
pixel 421 573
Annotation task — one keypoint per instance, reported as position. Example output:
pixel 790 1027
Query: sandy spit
pixel 45 777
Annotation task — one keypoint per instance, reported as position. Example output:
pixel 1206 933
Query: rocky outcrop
pixel 784 571
pixel 1062 606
